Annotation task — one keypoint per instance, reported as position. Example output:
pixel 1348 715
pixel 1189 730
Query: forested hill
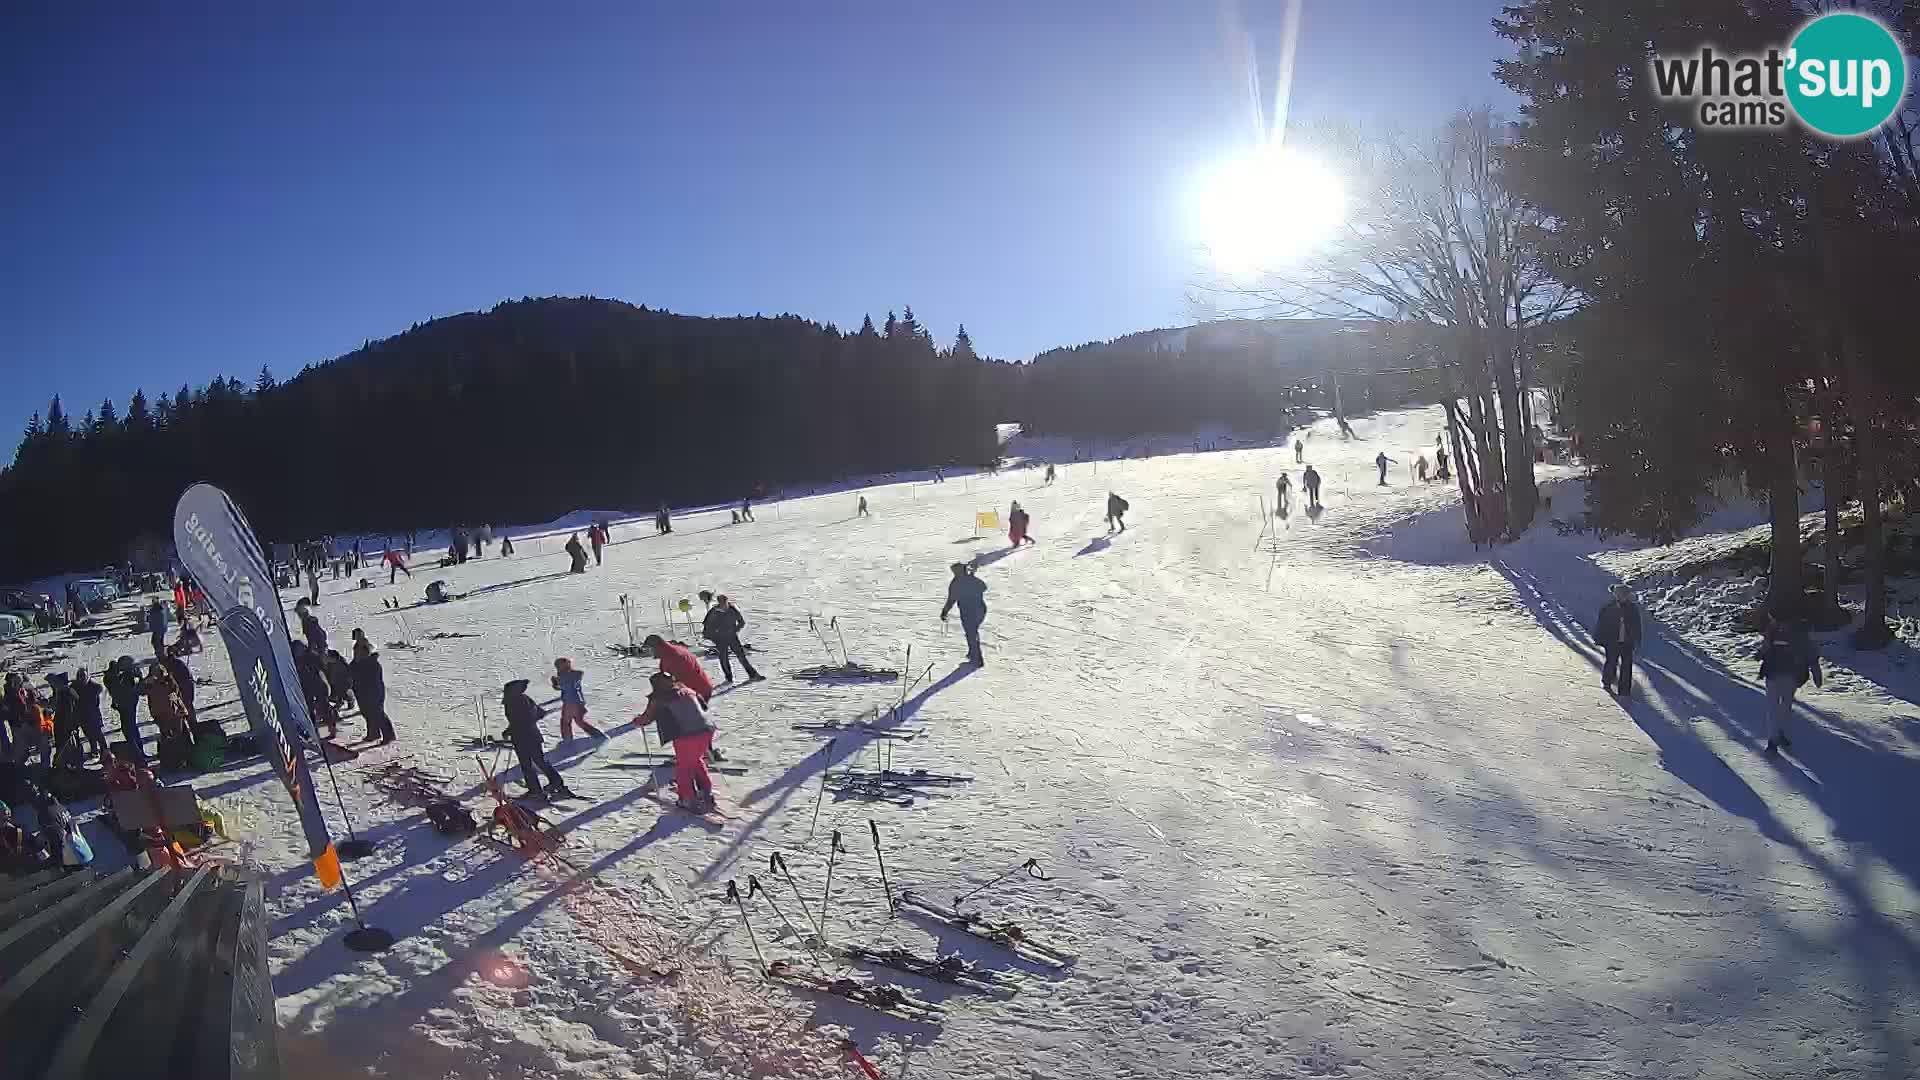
pixel 538 407
pixel 519 413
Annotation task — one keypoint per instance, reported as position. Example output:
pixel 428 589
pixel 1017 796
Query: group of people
pixel 66 726
pixel 330 683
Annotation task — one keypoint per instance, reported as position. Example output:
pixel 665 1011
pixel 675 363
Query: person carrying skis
pixel 573 700
pixel 968 593
pixel 679 662
pixel 523 730
pixel 395 565
pixel 1116 513
pixel 1382 460
pixel 1617 632
pixel 596 536
pixel 577 554
pixel 722 626
pixel 123 689
pixel 157 625
pixel 370 690
pixel 1787 660
pixel 1310 480
pixel 676 711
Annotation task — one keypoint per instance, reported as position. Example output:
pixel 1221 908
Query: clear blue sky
pixel 208 190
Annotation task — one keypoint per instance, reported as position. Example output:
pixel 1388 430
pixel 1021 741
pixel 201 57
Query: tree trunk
pixel 1783 490
pixel 1874 632
pixel 1830 498
pixel 1462 471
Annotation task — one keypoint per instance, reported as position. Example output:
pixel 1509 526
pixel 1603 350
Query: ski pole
pixel 905 668
pixel 853 1051
pixel 1031 866
pixel 807 939
pixel 827 752
pixel 777 862
pixel 835 624
pixel 882 859
pixel 834 850
pixel 733 894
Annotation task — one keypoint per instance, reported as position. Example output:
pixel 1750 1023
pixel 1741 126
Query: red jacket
pixel 680 663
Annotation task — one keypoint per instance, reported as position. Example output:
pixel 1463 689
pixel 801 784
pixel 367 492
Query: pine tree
pixel 137 415
pixel 57 424
pixel 109 416
pixel 163 411
pixel 963 345
pixel 893 324
pixel 34 430
pixel 866 328
pixel 910 326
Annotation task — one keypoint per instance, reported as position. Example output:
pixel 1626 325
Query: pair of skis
pixel 861 727
pixel 1008 936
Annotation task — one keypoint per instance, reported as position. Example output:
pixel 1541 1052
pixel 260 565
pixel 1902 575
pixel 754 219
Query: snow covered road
pixel 1306 810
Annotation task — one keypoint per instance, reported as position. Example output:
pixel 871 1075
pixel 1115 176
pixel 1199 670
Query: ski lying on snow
pixel 950 970
pixel 862 728
pixel 880 997
pixel 1006 935
pixel 727 770
pixel 895 777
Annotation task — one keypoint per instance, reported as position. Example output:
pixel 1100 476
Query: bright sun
pixel 1265 209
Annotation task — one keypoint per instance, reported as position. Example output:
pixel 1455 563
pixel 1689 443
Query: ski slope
pixel 1305 809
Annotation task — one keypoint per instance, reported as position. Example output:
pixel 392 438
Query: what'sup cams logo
pixel 1843 75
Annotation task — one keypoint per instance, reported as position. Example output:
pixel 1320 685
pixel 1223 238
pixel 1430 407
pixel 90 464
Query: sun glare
pixel 1263 210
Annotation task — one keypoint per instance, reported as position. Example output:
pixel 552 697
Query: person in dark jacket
pixel 968 593
pixel 370 690
pixel 683 725
pixel 1310 481
pixel 523 730
pixel 86 698
pixel 339 680
pixel 157 625
pixel 311 629
pixel 1787 660
pixel 183 680
pixel 123 689
pixel 576 553
pixel 1381 460
pixel 722 626
pixel 169 714
pixel 598 538
pixel 313 687
pixel 1116 513
pixel 746 509
pixel 66 717
pixel 1617 631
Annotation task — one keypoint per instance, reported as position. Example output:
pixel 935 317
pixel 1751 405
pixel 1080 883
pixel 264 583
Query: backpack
pixel 1121 504
pixel 450 818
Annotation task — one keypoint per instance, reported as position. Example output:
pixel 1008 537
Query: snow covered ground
pixel 1341 798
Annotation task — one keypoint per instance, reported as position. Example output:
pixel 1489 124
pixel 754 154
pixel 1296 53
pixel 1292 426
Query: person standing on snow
pixel 573 700
pixel 746 509
pixel 1282 490
pixel 157 625
pixel 1116 513
pixel 679 662
pixel 123 689
pixel 1440 465
pixel 1299 452
pixel 523 730
pixel 1617 632
pixel 676 711
pixel 576 553
pixel 1017 522
pixel 1382 460
pixel 395 565
pixel 968 593
pixel 596 536
pixel 1049 472
pixel 722 626
pixel 370 690
pixel 1787 659
pixel 1420 468
pixel 861 510
pixel 311 629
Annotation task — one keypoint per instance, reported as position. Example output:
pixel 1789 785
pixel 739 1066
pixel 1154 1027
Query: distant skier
pixel 663 520
pixel 1382 460
pixel 506 546
pixel 1282 490
pixel 313 584
pixel 968 593
pixel 1440 462
pixel 1049 472
pixel 722 626
pixel 1017 521
pixel 1346 429
pixel 397 565
pixel 597 536
pixel 1116 512
pixel 1787 659
pixel 679 662
pixel 576 553
pixel 862 511
pixel 682 722
pixel 573 700
pixel 1310 480
pixel 523 730
pixel 1617 632
pixel 1420 467
pixel 746 509
pixel 370 690
pixel 1299 452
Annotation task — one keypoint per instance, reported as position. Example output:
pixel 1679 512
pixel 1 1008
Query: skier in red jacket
pixel 679 662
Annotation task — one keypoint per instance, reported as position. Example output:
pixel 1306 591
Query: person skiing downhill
pixel 1382 460
pixel 1310 480
pixel 1617 632
pixel 523 730
pixel 722 626
pixel 968 593
pixel 676 711
pixel 1787 660
pixel 573 700
pixel 1116 512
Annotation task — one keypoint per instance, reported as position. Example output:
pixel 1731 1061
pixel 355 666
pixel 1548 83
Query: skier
pixel 576 553
pixel 1018 521
pixel 746 509
pixel 395 565
pixel 1049 472
pixel 679 662
pixel 1420 467
pixel 311 629
pixel 663 521
pixel 157 625
pixel 1440 463
pixel 968 593
pixel 123 689
pixel 573 700
pixel 1281 489
pixel 1787 659
pixel 1382 460
pixel 861 511
pixel 1116 512
pixel 1617 632
pixel 598 538
pixel 370 690
pixel 506 546
pixel 1310 480
pixel 1299 452
pixel 722 626
pixel 1346 429
pixel 523 730
pixel 683 725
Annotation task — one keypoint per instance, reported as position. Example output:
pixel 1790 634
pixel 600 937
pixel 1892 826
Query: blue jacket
pixel 156 619
pixel 571 692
